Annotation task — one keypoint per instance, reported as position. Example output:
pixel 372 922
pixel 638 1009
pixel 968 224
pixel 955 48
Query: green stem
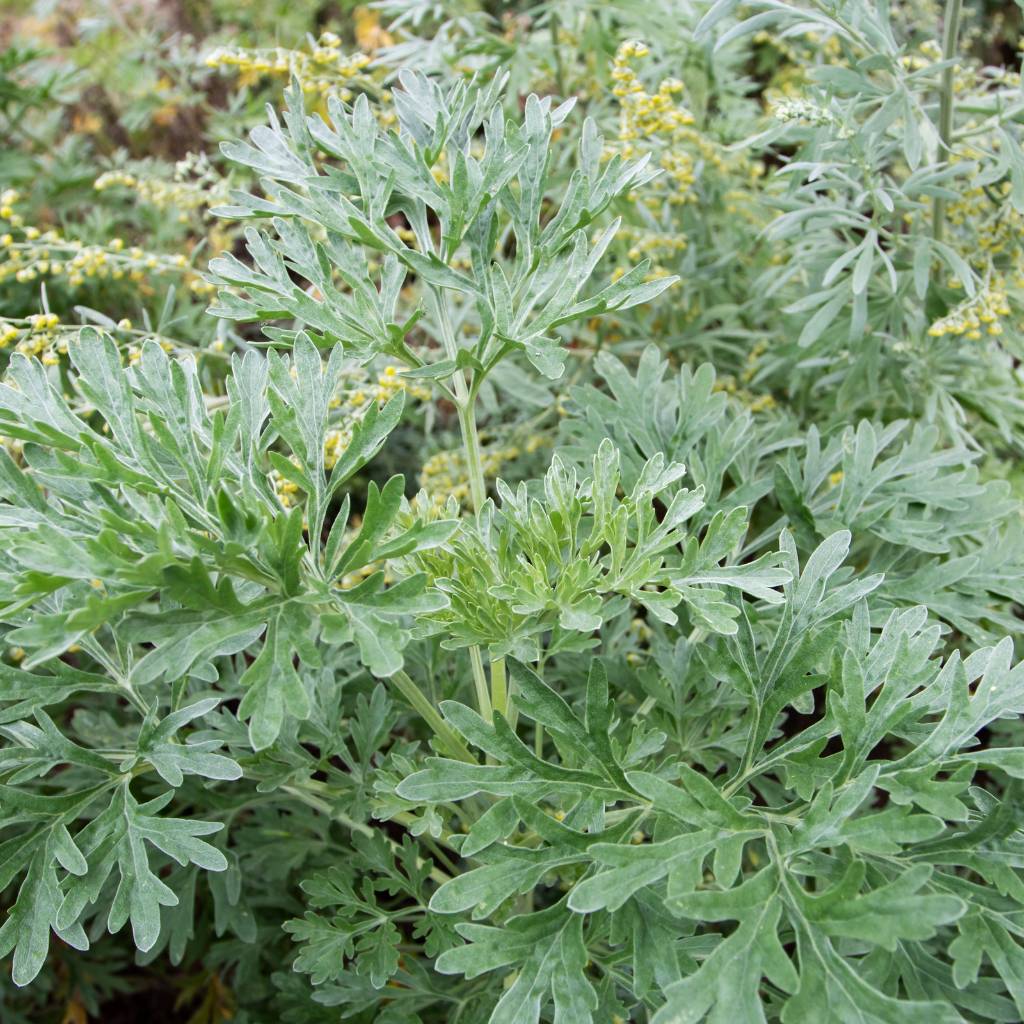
pixel 483 698
pixel 328 811
pixel 471 443
pixel 465 403
pixel 950 35
pixel 499 687
pixel 325 808
pixel 448 737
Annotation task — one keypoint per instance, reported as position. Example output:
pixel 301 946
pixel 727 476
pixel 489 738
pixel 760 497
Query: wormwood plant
pixel 675 731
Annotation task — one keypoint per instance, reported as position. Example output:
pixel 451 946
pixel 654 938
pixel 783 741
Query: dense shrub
pixel 511 515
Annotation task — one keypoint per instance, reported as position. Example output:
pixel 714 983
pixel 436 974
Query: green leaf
pixel 172 759
pixel 273 687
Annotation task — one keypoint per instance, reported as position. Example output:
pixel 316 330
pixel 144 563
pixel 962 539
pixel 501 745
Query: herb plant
pixel 682 686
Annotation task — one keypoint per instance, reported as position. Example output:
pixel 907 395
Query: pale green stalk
pixel 465 401
pixel 483 698
pixel 950 35
pixel 471 443
pixel 447 736
pixel 499 686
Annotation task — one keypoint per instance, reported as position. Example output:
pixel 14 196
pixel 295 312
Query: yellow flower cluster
pixel 44 336
pixel 287 491
pixel 34 334
pixel 321 69
pixel 366 26
pixel 42 342
pixel 745 203
pixel 928 53
pixel 8 198
pixel 390 383
pixel 28 253
pixel 795 56
pixel 995 227
pixel 783 47
pixel 755 403
pixel 195 186
pixel 979 312
pixel 336 442
pixel 758 403
pixel 43 321
pixel 445 474
pixel 654 118
pixel 163 194
pixel 965 78
pixel 134 352
pixel 988 231
pixel 651 243
pixel 645 114
pixel 659 124
pixel 789 80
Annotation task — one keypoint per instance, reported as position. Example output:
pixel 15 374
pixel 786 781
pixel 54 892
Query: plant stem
pixel 499 686
pixel 325 808
pixel 478 494
pixel 471 443
pixel 448 737
pixel 538 736
pixel 465 403
pixel 483 698
pixel 950 36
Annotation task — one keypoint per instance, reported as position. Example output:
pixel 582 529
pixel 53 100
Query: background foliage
pixel 511 512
